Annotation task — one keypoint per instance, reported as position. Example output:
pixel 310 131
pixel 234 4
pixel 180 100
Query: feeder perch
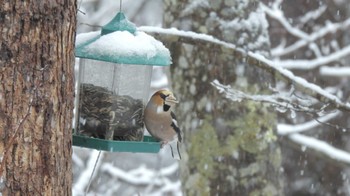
pixel 115 69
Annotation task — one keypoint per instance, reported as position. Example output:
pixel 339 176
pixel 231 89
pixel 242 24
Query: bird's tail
pixel 178 154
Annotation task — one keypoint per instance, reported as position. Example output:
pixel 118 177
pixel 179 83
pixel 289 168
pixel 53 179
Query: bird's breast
pixel 159 126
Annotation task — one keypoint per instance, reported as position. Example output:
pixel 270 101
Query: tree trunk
pixel 36 96
pixel 231 147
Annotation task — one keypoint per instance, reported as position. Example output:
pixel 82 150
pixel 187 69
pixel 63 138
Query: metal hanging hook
pixel 120 6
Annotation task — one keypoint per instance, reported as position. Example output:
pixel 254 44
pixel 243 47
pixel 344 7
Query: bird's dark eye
pixel 163 96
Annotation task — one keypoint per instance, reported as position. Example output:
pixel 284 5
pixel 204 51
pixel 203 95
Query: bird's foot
pixel 163 143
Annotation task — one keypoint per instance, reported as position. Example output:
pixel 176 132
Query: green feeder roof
pixel 120 42
pixel 118 23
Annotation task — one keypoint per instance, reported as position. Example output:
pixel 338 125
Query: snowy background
pixel 310 49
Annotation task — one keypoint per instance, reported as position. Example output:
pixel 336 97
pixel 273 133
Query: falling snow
pixel 159 175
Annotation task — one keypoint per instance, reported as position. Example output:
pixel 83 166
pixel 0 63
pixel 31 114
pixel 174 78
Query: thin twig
pixel 79 10
pixel 276 100
pixel 337 127
pixel 90 25
pixel 92 173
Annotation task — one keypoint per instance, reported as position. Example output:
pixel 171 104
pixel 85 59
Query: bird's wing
pixel 176 127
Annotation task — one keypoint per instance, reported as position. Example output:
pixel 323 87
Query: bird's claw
pixel 163 143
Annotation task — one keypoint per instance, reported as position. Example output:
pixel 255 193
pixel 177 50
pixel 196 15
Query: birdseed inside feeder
pixel 115 69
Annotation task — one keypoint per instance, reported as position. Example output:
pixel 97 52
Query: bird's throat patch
pixel 166 107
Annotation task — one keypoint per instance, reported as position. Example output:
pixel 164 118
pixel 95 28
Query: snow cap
pixel 120 42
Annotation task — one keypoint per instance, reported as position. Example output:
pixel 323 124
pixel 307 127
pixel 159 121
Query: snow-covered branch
pixel 335 71
pixel 148 181
pixel 311 64
pixel 281 101
pixel 322 147
pixel 83 181
pixel 304 38
pixel 291 130
pixel 293 134
pixel 313 90
pixel 284 129
pixel 301 84
pixel 141 175
pixel 173 35
pixel 147 177
pixel 312 15
pixel 329 28
pixel 277 14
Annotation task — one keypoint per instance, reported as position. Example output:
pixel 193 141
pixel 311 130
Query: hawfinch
pixel 160 121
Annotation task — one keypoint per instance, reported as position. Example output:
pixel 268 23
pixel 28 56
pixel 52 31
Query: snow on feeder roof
pixel 113 86
pixel 120 42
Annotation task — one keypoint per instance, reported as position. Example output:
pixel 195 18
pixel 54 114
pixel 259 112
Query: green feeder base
pixel 148 145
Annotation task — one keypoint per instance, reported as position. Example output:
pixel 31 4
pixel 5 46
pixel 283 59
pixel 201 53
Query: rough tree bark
pixel 231 147
pixel 36 96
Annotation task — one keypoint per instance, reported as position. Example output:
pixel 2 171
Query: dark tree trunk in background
pixel 36 96
pixel 231 147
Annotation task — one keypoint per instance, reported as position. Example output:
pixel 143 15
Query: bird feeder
pixel 113 82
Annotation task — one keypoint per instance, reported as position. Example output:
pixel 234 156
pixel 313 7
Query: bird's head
pixel 164 98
